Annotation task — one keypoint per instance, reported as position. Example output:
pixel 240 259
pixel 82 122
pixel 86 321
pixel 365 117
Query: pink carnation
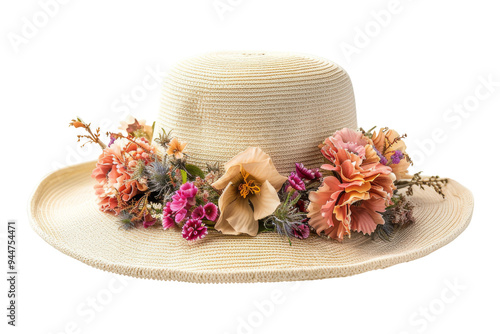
pixel 180 215
pixel 188 190
pixel 194 229
pixel 168 221
pixel 178 202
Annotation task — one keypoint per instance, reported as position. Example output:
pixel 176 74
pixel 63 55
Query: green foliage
pixel 194 171
pixel 184 176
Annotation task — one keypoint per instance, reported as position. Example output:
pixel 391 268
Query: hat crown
pixel 285 103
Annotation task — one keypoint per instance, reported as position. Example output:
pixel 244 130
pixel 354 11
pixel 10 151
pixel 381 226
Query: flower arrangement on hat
pixel 148 183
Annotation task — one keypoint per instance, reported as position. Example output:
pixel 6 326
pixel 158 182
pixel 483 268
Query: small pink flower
pixel 194 229
pixel 296 182
pixel 198 213
pixel 205 196
pixel 178 202
pixel 148 221
pixel 180 215
pixel 188 190
pixel 303 172
pixel 301 231
pixel 211 211
pixel 168 222
pixel 166 209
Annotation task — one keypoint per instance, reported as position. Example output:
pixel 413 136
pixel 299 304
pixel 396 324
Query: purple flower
pixel 301 231
pixel 180 215
pixel 303 172
pixel 383 160
pixel 211 211
pixel 111 140
pixel 296 182
pixel 194 229
pixel 198 213
pixel 396 157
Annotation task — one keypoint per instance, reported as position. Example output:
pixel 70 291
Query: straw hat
pixel 220 104
pixel 226 102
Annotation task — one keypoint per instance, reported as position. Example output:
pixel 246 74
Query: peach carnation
pixel 360 189
pixel 352 141
pixel 114 170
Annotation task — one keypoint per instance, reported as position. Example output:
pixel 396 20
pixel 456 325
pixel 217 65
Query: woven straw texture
pixel 221 103
pixel 64 213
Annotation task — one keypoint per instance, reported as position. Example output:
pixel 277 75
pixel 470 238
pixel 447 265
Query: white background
pixel 423 59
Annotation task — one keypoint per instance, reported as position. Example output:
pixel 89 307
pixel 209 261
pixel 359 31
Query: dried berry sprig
pixel 92 137
pixel 116 135
pixel 136 212
pixel 389 144
pixel 214 167
pixel 396 216
pixel 368 133
pixel 434 182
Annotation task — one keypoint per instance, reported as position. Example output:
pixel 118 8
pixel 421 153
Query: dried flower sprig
pixel 214 167
pixel 434 182
pixel 164 138
pixel 396 216
pixel 390 143
pixel 92 137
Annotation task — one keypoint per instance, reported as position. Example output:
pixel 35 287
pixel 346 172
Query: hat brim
pixel 63 211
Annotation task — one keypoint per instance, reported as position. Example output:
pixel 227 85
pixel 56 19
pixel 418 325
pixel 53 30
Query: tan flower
pixel 250 184
pixel 175 148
